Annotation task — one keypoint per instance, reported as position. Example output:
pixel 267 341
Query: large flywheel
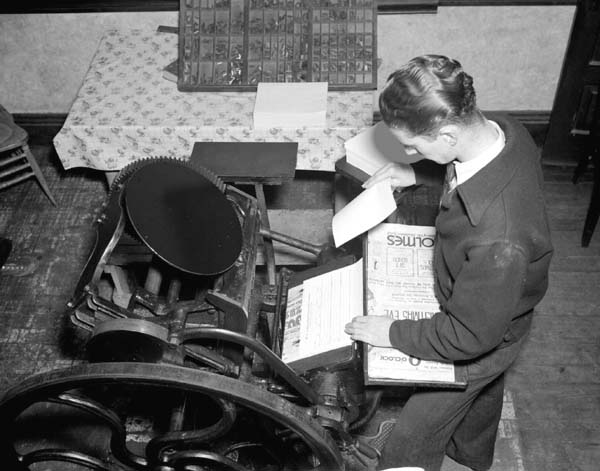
pixel 279 434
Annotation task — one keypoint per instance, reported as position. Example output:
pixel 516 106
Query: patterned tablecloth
pixel 126 110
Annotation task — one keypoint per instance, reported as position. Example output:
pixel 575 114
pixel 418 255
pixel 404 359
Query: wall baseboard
pixel 536 122
pixel 42 127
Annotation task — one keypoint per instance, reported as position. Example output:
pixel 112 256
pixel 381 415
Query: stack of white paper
pixel 290 105
pixel 373 148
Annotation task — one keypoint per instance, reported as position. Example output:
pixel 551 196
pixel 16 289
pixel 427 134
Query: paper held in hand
pixel 365 211
pixel 290 105
pixel 394 279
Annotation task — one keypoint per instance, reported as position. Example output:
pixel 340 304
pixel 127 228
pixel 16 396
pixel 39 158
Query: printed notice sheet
pixel 400 285
pixel 319 308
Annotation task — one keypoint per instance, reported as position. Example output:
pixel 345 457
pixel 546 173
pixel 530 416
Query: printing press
pixel 183 343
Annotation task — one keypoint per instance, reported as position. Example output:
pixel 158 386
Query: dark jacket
pixel 491 260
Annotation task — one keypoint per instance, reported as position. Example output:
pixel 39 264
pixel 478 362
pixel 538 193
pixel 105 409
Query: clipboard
pixel 460 371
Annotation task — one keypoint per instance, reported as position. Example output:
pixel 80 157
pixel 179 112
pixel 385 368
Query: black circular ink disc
pixel 183 218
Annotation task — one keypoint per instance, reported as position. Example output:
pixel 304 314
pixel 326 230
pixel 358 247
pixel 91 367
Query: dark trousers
pixel 459 423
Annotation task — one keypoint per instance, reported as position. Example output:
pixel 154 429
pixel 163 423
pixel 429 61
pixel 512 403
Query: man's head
pixel 427 104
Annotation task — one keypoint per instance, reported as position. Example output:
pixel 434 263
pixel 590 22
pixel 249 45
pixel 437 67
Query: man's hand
pixel 374 330
pixel 400 176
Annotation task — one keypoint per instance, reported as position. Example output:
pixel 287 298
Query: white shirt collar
pixel 465 170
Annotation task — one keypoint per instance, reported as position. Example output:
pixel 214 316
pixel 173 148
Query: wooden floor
pixel 555 384
pixel 557 376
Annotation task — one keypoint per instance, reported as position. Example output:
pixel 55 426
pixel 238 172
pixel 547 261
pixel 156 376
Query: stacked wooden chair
pixel 17 163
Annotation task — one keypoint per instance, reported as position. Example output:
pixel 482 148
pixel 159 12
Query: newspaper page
pixel 318 310
pixel 400 284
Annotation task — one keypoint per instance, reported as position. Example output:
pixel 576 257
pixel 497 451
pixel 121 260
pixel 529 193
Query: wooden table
pixel 126 110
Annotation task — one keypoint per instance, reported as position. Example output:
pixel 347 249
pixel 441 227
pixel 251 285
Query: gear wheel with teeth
pixel 127 171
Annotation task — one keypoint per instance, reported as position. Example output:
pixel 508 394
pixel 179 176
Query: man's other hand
pixel 400 176
pixel 374 330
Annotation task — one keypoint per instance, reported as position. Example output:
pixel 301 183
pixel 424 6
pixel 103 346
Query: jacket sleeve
pixel 477 314
pixel 429 173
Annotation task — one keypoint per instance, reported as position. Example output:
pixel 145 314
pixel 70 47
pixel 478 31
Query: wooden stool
pixel 17 163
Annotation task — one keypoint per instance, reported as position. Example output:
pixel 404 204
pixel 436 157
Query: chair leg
pixel 38 173
pixel 594 208
pixel 581 167
pixel 5 248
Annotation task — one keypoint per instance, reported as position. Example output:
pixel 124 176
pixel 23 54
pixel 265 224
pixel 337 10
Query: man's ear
pixel 449 134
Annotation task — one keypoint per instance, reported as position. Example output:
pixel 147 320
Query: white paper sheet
pixel 368 209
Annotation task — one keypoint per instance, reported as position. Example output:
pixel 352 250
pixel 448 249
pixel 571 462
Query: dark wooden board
pixel 260 162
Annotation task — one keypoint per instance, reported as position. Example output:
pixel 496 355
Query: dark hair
pixel 426 93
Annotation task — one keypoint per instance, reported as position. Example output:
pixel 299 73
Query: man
pixel 491 258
